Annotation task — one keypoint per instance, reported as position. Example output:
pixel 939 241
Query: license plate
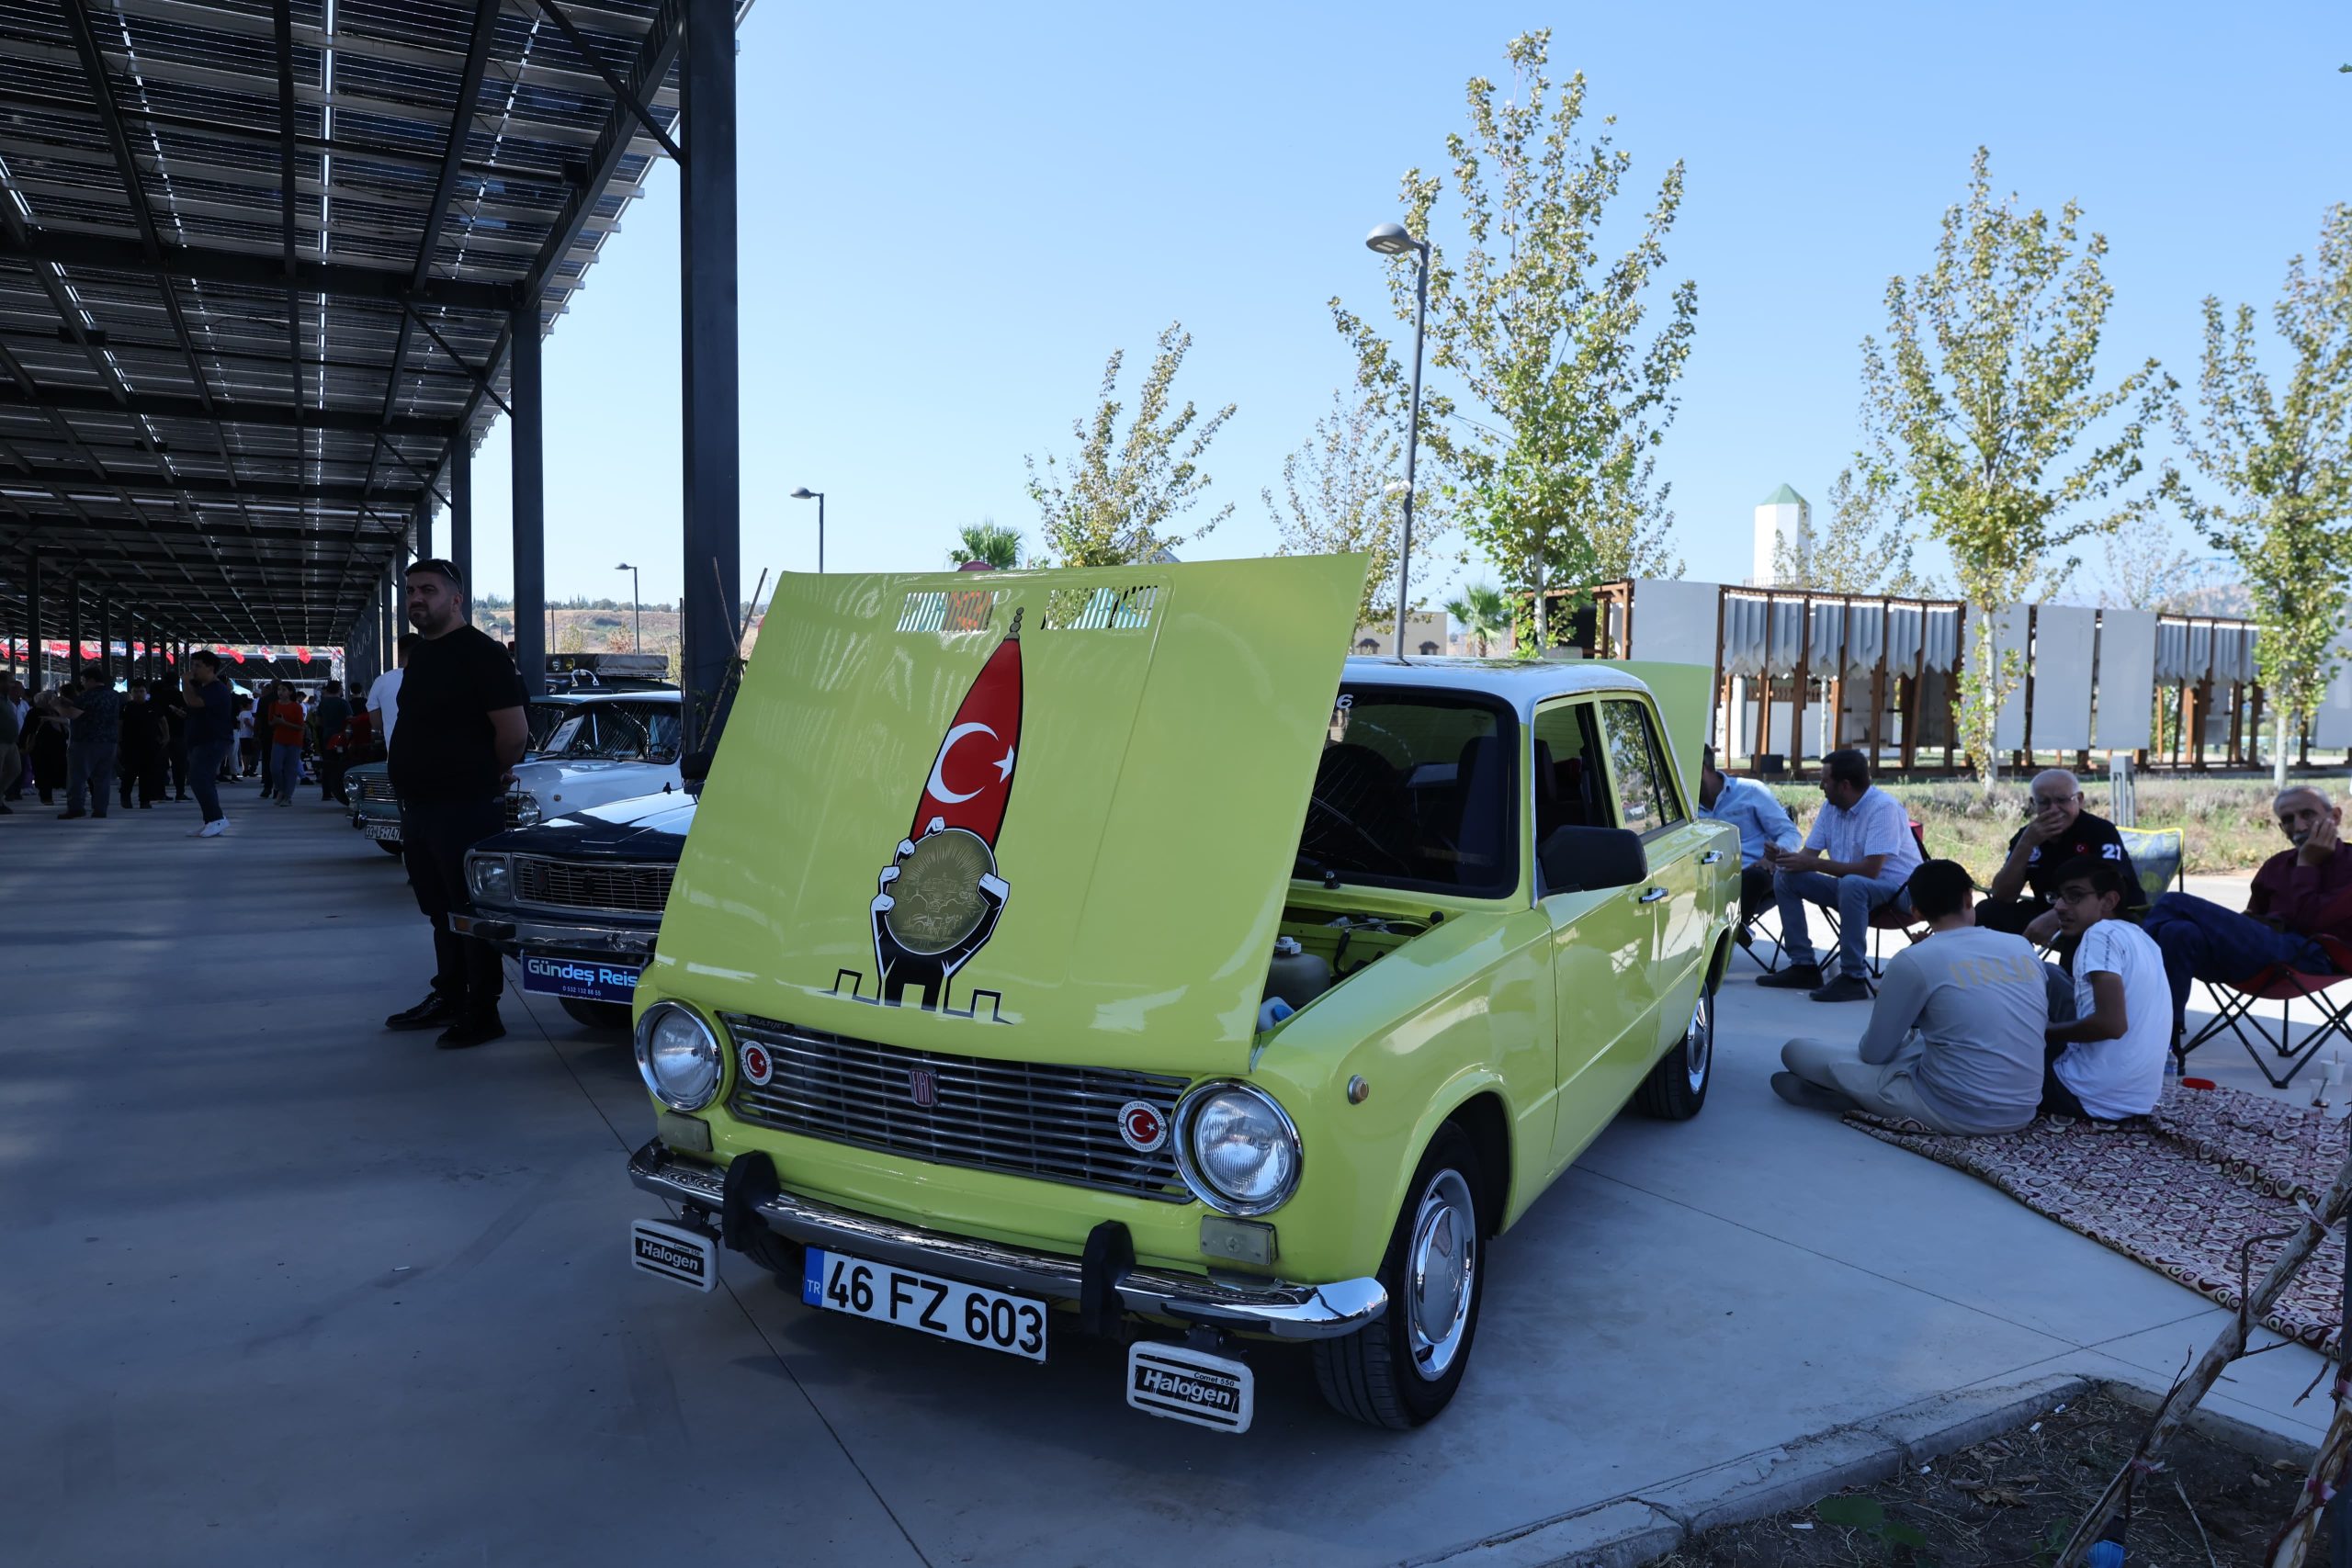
pixel 379 830
pixel 674 1253
pixel 1186 1385
pixel 585 979
pixel 944 1308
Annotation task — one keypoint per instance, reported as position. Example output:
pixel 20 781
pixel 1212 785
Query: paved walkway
pixel 285 1289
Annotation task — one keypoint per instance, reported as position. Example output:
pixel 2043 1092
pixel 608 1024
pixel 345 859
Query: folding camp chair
pixel 2285 986
pixel 2156 856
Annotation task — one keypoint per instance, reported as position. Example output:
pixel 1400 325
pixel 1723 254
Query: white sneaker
pixel 211 829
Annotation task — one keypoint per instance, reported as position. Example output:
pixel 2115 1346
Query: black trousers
pixel 1755 891
pixel 146 770
pixel 2010 915
pixel 434 837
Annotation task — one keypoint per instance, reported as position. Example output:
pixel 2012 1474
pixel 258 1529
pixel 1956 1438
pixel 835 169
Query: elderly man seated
pixel 2059 830
pixel 2299 894
pixel 1857 858
pixel 1955 1040
pixel 1753 809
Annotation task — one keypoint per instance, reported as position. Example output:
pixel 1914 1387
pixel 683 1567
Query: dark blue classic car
pixel 577 899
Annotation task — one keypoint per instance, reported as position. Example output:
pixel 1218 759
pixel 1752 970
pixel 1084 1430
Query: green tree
pixel 1982 408
pixel 1866 548
pixel 1484 613
pixel 1549 450
pixel 1112 503
pixel 2282 462
pixel 2147 569
pixel 987 540
pixel 1342 492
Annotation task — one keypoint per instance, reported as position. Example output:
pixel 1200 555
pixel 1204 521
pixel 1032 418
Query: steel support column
pixel 425 526
pixel 106 633
pixel 74 631
pixel 712 450
pixel 32 621
pixel 462 510
pixel 529 465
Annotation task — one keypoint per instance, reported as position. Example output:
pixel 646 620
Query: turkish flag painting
pixel 972 778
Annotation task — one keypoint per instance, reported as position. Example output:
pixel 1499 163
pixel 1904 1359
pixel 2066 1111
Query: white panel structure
pixel 2063 640
pixel 1675 622
pixel 2332 725
pixel 2127 679
pixel 2008 637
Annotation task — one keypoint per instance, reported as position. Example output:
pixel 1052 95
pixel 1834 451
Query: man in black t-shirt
pixel 2059 830
pixel 461 728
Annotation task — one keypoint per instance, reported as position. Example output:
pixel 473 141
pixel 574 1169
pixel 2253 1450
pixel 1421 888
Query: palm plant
pixel 1483 613
pixel 987 541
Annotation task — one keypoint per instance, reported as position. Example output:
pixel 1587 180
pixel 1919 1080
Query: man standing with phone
pixel 461 729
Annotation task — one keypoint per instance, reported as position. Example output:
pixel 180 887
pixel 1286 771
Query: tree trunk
pixel 1543 614
pixel 2279 752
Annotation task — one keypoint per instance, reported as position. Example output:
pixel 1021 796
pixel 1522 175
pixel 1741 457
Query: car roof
pixel 581 696
pixel 1521 683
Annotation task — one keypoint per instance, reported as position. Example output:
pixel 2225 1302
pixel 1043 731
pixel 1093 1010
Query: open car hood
pixel 1048 815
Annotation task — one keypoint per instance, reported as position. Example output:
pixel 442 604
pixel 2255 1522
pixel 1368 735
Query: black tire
pixel 1373 1374
pixel 611 1016
pixel 389 846
pixel 783 1259
pixel 1676 1088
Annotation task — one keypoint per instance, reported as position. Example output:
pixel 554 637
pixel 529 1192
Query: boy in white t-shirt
pixel 2108 1063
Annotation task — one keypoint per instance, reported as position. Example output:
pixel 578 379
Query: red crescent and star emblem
pixel 758 1066
pixel 1143 1126
pixel 971 779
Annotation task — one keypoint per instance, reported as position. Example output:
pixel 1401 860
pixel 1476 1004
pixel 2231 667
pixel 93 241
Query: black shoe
pixel 1795 978
pixel 480 1029
pixel 69 815
pixel 1844 989
pixel 436 1011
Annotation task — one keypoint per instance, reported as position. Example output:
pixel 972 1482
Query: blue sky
pixel 951 215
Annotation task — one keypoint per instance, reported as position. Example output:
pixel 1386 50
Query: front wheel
pixel 1676 1086
pixel 1403 1368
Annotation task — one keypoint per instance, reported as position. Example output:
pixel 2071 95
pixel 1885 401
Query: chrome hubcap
pixel 1699 1041
pixel 1440 1266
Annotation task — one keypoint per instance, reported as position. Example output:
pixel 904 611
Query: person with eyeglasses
pixel 2023 895
pixel 461 729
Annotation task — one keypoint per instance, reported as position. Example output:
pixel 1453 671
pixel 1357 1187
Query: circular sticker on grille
pixel 1143 1126
pixel 758 1066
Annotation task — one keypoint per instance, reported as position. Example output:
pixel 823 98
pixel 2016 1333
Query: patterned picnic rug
pixel 2184 1191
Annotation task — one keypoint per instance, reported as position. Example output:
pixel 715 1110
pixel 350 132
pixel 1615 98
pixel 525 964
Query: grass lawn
pixel 2226 823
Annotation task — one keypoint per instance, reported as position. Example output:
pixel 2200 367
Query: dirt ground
pixel 2014 1498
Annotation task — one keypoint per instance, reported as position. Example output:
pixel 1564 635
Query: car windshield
pixel 1414 789
pixel 543 718
pixel 613 732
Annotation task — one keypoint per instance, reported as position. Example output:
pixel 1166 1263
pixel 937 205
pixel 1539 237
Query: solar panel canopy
pixel 260 267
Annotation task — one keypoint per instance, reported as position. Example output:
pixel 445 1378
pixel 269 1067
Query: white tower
pixel 1782 517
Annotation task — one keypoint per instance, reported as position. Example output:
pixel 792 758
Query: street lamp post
pixel 805 493
pixel 637 609
pixel 1391 239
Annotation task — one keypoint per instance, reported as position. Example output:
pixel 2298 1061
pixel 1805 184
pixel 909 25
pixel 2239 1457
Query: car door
pixel 1602 942
pixel 1650 801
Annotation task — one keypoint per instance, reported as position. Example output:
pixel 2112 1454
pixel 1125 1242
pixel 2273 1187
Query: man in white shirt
pixel 1955 1039
pixel 384 692
pixel 2108 1062
pixel 1857 858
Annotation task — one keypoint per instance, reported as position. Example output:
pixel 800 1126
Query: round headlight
pixel 1238 1152
pixel 490 878
pixel 678 1056
pixel 526 809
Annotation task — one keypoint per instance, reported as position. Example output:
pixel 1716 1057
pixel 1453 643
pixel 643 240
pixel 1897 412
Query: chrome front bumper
pixel 548 936
pixel 1279 1310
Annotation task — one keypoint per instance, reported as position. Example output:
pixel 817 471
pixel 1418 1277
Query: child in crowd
pixel 2107 1062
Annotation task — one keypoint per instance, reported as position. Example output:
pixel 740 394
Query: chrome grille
pixel 637 888
pixel 1053 1122
pixel 376 787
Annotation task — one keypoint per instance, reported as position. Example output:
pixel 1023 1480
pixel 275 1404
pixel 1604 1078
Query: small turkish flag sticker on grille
pixel 758 1066
pixel 1143 1127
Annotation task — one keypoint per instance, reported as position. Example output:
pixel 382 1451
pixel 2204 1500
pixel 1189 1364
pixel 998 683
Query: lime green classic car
pixel 1101 950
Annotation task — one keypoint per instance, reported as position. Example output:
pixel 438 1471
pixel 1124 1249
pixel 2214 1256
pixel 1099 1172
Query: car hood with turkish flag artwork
pixel 1048 815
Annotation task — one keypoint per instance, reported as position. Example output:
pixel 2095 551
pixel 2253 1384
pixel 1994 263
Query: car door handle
pixel 1711 857
pixel 1652 897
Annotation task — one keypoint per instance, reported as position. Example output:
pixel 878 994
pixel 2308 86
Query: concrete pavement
pixel 284 1287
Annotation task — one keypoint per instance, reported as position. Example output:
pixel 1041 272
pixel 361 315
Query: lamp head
pixel 624 566
pixel 1391 239
pixel 804 493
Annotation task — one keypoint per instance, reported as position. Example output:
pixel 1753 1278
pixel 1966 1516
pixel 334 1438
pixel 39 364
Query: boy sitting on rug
pixel 2107 1062
pixel 1955 1037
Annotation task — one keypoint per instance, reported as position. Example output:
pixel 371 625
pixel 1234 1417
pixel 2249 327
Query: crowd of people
pixel 2063 990
pixel 160 741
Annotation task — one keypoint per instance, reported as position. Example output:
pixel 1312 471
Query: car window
pixel 1415 788
pixel 543 719
pixel 573 731
pixel 1571 781
pixel 1647 800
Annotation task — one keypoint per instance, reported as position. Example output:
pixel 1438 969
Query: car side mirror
pixel 695 766
pixel 1590 860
